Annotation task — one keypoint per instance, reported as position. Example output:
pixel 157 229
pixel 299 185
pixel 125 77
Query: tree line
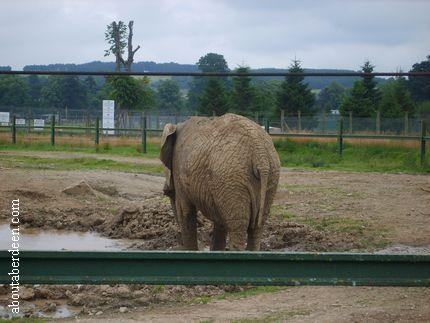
pixel 217 95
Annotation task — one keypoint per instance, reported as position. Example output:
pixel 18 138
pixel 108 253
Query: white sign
pixel 4 118
pixel 108 116
pixel 38 123
pixel 20 121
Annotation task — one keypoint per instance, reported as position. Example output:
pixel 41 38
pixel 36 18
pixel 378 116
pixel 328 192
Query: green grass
pixel 364 158
pixel 83 163
pixel 105 148
pixel 308 155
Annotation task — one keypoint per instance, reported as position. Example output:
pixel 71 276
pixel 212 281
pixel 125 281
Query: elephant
pixel 228 169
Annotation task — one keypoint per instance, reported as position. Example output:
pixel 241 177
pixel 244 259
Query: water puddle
pixel 36 239
pixel 62 311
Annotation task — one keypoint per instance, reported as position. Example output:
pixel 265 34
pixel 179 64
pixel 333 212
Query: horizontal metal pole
pixel 224 74
pixel 207 268
pixel 292 135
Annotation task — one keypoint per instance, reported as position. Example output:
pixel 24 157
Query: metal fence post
pixel 267 125
pixel 13 129
pixel 423 142
pixel 350 122
pixel 143 121
pixel 299 120
pixel 282 121
pixel 340 139
pixel 53 131
pixel 406 123
pixel 378 122
pixel 97 134
pixel 324 122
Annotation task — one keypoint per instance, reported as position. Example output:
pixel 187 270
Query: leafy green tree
pixel 93 102
pixel 369 82
pixel 294 95
pixel 364 96
pixel 331 97
pixel 423 108
pixel 34 89
pixel 13 91
pixel 420 85
pixel 64 91
pixel 357 102
pixel 169 96
pixel 126 91
pixel 265 98
pixel 211 62
pixel 243 93
pixel 214 98
pixel 395 99
pixel 127 94
pixel 148 98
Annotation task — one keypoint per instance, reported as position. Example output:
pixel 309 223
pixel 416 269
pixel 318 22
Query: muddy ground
pixel 313 211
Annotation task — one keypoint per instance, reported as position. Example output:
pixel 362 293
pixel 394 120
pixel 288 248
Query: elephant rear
pixel 228 169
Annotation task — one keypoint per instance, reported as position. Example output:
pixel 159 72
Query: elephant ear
pixel 167 142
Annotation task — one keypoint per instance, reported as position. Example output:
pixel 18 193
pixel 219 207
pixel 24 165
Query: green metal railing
pixel 203 268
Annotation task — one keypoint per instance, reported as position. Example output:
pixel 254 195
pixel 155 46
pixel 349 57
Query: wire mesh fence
pixel 324 123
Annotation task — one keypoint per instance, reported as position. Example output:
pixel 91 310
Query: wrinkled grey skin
pixel 225 167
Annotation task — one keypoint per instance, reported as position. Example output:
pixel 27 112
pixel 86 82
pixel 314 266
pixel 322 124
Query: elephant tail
pixel 264 176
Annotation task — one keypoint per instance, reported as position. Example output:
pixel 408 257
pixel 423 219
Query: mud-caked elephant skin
pixel 228 169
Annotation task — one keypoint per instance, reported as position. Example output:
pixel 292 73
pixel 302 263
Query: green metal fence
pixel 143 130
pixel 207 268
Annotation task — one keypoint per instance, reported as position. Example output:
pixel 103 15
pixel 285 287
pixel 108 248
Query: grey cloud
pixel 260 33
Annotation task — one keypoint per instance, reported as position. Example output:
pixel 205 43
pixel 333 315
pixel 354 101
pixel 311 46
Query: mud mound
pixel 28 194
pixel 82 188
pixel 73 218
pixel 154 223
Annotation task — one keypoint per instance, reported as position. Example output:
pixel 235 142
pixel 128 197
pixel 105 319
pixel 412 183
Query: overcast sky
pixel 322 34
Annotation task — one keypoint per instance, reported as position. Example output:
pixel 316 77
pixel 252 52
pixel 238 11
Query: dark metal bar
pixel 256 74
pixel 143 133
pixel 340 139
pixel 200 268
pixel 97 134
pixel 423 142
pixel 13 129
pixel 53 131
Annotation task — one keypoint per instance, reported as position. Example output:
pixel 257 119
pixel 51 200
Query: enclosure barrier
pixel 208 268
pixel 340 136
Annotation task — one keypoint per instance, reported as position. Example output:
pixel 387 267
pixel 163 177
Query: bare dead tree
pixel 116 35
pixel 131 52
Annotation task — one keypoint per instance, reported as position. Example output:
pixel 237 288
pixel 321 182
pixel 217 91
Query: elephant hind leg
pixel 254 239
pixel 187 220
pixel 219 237
pixel 237 233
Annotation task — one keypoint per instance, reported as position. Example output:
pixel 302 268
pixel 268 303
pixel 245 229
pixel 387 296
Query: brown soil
pixel 314 211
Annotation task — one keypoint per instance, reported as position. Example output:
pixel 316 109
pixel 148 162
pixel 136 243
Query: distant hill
pixel 315 82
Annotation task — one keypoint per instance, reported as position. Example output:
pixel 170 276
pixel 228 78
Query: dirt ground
pixel 313 211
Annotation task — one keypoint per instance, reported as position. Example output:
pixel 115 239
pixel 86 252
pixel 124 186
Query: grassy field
pixel 363 157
